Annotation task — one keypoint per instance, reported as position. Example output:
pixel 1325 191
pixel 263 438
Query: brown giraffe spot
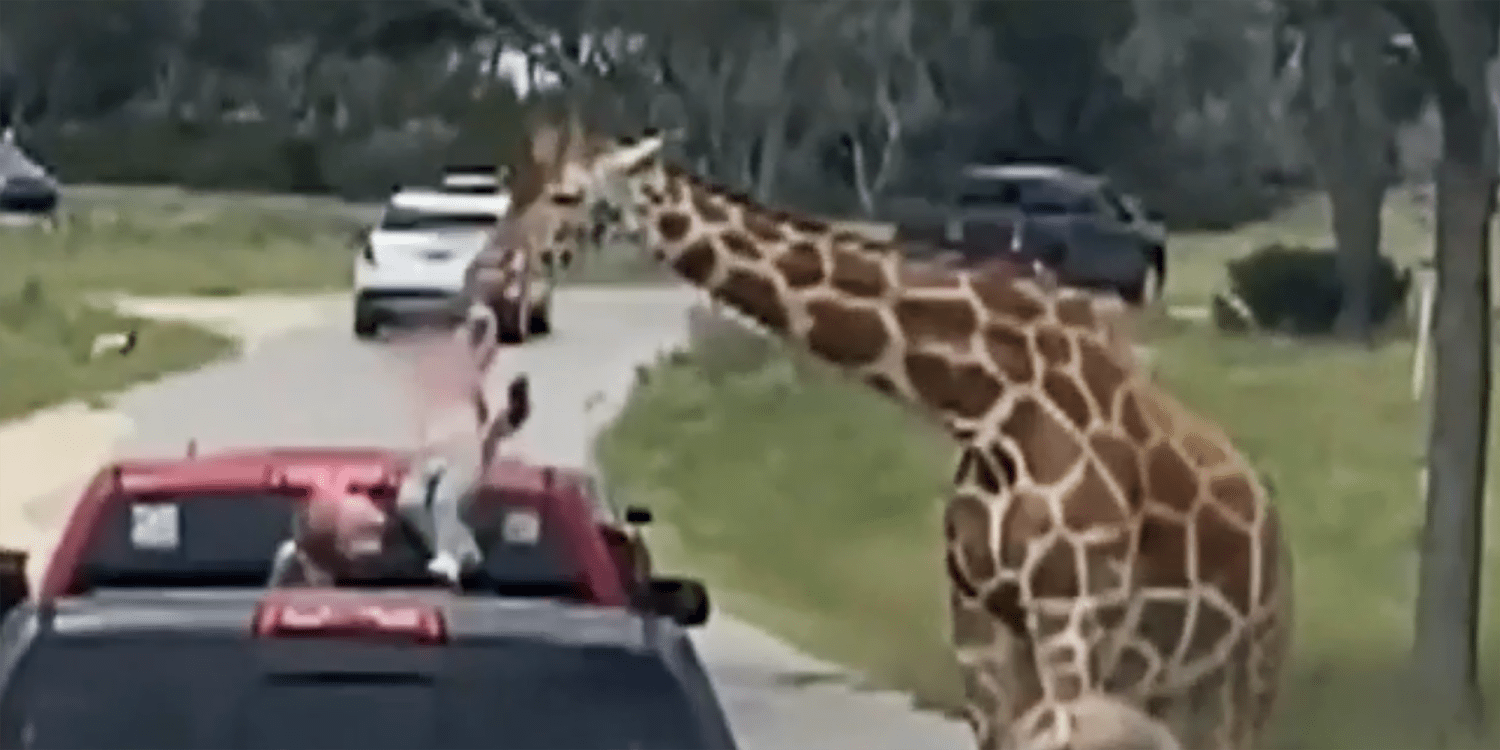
pixel 974 468
pixel 1091 504
pixel 1010 350
pixel 1048 624
pixel 1004 602
pixel 1236 496
pixel 999 295
pixel 1163 553
pixel 847 237
pixel 857 275
pixel 1133 420
pixel 1101 374
pixel 1162 624
pixel 1025 517
pixel 1048 449
pixel 757 298
pixel 1120 461
pixel 697 262
pixel 1054 347
pixel 1111 616
pixel 972 626
pixel 1224 556
pixel 963 390
pixel 844 335
pixel 949 321
pixel 1064 394
pixel 1005 462
pixel 966 523
pixel 673 225
pixel 1170 481
pixel 1076 311
pixel 740 245
pixel 1056 573
pixel 760 226
pixel 1061 657
pixel 956 576
pixel 1132 669
pixel 806 224
pixel 1270 558
pixel 883 385
pixel 1202 450
pixel 708 208
pixel 801 265
pixel 1209 630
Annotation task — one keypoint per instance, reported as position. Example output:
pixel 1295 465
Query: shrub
pixel 1297 289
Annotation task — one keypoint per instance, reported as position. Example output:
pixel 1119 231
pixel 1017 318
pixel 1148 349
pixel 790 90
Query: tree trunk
pixel 1446 650
pixel 1346 125
pixel 1356 206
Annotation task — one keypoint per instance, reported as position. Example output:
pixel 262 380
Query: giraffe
pixel 502 276
pixel 1105 547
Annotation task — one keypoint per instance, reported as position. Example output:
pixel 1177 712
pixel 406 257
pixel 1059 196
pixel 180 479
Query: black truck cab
pixel 365 669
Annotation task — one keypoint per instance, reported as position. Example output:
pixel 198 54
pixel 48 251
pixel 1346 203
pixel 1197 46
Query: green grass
pixel 814 508
pixel 168 241
pixel 44 350
pixel 148 241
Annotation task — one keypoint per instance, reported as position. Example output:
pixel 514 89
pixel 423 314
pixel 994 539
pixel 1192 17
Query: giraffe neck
pixel 949 343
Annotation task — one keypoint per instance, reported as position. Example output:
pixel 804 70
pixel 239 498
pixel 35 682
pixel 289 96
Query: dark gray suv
pixel 1077 224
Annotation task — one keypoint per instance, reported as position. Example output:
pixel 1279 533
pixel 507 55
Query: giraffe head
pixel 573 189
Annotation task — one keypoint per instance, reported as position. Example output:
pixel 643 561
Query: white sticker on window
pixel 155 526
pixel 522 527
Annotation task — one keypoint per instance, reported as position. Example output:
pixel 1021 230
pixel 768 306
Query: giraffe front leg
pixel 996 667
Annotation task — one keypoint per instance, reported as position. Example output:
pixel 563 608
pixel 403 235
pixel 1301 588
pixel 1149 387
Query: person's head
pixel 344 534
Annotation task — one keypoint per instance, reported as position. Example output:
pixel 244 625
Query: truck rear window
pixel 230 540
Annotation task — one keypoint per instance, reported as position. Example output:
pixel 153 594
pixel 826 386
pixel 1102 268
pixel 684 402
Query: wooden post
pixel 1426 279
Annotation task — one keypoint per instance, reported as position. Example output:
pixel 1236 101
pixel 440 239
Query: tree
pixel 1346 71
pixel 1455 40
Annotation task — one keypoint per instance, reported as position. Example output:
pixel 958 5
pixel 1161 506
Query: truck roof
pixel 229 511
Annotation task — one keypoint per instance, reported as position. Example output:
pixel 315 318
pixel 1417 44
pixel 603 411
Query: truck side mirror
pixel 682 599
pixel 14 588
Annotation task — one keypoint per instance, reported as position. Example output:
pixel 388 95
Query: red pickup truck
pixel 216 521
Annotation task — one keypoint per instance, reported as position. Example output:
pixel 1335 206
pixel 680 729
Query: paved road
pixel 319 386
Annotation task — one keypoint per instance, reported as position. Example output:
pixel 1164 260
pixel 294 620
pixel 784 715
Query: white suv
pixel 414 260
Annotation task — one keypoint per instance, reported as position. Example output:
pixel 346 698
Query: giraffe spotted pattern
pixel 1117 572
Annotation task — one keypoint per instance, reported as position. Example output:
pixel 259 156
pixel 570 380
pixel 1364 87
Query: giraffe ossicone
pixel 1103 542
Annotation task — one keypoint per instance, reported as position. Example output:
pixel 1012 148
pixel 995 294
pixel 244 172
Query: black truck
pixel 358 669
pixel 1076 224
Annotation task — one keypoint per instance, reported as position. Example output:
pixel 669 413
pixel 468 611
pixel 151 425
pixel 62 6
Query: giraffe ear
pixel 628 158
